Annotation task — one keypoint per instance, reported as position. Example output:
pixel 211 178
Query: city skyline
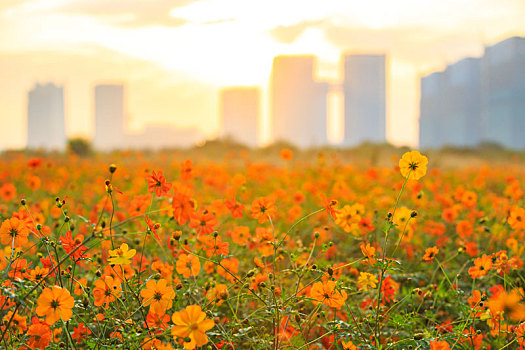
pixel 174 56
pixel 477 100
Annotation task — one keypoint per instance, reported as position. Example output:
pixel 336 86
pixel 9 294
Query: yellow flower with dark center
pixel 413 163
pixel 122 255
pixel 191 325
pixel 348 218
pixel 366 280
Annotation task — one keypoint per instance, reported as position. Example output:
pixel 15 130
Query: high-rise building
pixel 430 135
pixel 451 106
pixel 364 88
pixel 503 70
pixel 239 111
pixel 476 100
pixel 298 102
pixel 109 117
pixel 45 118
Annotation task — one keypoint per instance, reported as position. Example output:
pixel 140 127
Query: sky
pixel 174 55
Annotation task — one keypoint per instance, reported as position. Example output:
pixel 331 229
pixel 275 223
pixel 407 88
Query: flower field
pixel 172 252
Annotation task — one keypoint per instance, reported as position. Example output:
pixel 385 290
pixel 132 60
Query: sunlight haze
pixel 174 56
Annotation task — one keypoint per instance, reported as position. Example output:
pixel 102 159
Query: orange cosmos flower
pixel 509 304
pixel 481 266
pixel 13 231
pixel 191 324
pixel 157 183
pixel 235 207
pixel 520 333
pixel 160 322
pixel 80 332
pixel 430 253
pixel 325 292
pixel 37 273
pixel 348 345
pixel 159 295
pixel 516 219
pixel 218 294
pixel 262 208
pixel 369 252
pixel 55 303
pixel 217 247
pixel 188 265
pixel 139 204
pixel 439 345
pixel 183 208
pixel 18 323
pixel 469 199
pixel 286 154
pixel 69 244
pixel 186 170
pixel 328 204
pixel 413 163
pixel 19 268
pixel 203 222
pixel 241 235
pixel 106 290
pixel 7 192
pixel 39 334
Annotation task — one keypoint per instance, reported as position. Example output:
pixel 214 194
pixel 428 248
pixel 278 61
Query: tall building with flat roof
pixel 503 69
pixel 45 118
pixel 430 123
pixel 109 117
pixel 298 102
pixel 451 106
pixel 476 100
pixel 364 88
pixel 239 108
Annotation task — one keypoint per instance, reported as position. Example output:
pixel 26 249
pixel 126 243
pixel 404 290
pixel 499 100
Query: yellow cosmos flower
pixel 348 218
pixel 413 163
pixel 122 255
pixel 366 280
pixel 191 324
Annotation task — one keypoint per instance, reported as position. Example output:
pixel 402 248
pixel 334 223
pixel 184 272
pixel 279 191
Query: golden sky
pixel 174 55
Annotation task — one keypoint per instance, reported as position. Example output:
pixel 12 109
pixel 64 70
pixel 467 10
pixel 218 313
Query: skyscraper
pixel 45 118
pixel 430 115
pixel 503 70
pixel 365 98
pixel 109 117
pixel 477 100
pixel 239 111
pixel 451 106
pixel 298 102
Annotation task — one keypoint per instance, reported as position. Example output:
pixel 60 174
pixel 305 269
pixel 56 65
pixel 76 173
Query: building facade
pixel 476 100
pixel 239 110
pixel 46 127
pixel 298 102
pixel 109 117
pixel 364 88
pixel 503 68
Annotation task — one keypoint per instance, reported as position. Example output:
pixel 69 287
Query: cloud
pixel 288 34
pixel 153 95
pixel 129 13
